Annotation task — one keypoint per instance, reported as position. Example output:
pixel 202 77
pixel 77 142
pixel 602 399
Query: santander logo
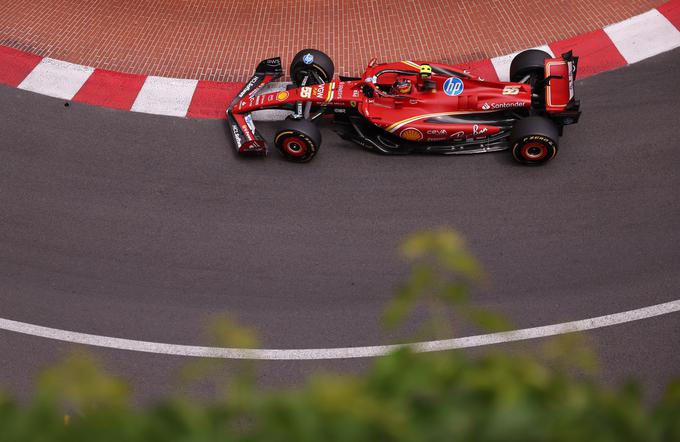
pixel 487 106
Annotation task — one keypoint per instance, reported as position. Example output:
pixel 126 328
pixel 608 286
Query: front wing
pixel 247 139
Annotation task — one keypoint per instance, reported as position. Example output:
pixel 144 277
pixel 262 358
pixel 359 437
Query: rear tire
pixel 534 140
pixel 311 60
pixel 529 62
pixel 298 141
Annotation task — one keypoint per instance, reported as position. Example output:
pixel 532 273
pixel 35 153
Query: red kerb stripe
pixel 671 11
pixel 16 65
pixel 110 89
pixel 211 99
pixel 595 50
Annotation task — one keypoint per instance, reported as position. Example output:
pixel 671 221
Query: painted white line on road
pixel 643 36
pixel 340 353
pixel 502 63
pixel 56 78
pixel 165 96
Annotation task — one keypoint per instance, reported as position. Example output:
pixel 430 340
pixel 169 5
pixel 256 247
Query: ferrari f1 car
pixel 406 106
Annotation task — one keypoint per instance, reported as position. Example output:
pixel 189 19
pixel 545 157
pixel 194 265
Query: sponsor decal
pixel 437 132
pixel 353 103
pixel 237 134
pixel 273 62
pixel 341 86
pixel 245 130
pixel 248 87
pixel 459 134
pixel 249 122
pixel 282 96
pixel 572 70
pixel 339 110
pixel 270 98
pixel 308 59
pixel 320 89
pixel 453 86
pixel 355 93
pixel 306 92
pixel 436 138
pixel 511 90
pixel 411 134
pixel 488 106
pixel 477 131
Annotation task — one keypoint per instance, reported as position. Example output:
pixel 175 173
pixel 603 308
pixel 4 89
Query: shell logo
pixel 411 134
pixel 282 96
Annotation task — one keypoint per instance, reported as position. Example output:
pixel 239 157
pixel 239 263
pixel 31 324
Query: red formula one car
pixel 403 107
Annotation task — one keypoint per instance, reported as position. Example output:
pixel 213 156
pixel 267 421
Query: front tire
pixel 311 63
pixel 298 141
pixel 534 140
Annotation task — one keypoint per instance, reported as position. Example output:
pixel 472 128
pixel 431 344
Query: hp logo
pixel 453 86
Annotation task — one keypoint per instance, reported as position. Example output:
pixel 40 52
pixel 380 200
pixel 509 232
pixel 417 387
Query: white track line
pixel 340 353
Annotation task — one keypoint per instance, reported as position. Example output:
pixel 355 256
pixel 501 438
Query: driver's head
pixel 402 86
pixel 425 71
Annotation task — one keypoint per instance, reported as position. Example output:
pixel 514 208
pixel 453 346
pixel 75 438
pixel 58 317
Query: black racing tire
pixel 308 60
pixel 529 62
pixel 298 140
pixel 534 140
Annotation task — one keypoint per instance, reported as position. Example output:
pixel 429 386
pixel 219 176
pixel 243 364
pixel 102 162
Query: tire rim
pixel 295 147
pixel 534 151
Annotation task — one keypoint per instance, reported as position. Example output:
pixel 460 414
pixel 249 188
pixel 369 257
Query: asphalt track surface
pixel 142 227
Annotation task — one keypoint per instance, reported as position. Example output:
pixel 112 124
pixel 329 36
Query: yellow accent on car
pixel 330 92
pixel 412 64
pixel 399 124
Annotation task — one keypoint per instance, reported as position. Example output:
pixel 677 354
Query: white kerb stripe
pixel 644 36
pixel 56 78
pixel 502 63
pixel 165 96
pixel 340 353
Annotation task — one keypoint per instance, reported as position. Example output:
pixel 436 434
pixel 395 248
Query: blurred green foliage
pixel 402 397
pixel 442 275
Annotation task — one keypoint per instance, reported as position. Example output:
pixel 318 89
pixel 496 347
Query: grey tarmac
pixel 143 227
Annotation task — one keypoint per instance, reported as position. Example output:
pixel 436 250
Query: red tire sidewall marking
pixel 288 142
pixel 532 144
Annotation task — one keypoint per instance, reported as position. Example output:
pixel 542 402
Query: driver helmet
pixel 402 86
pixel 425 71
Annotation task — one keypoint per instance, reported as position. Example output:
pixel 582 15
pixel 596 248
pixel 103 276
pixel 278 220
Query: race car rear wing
pixel 560 99
pixel 247 140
